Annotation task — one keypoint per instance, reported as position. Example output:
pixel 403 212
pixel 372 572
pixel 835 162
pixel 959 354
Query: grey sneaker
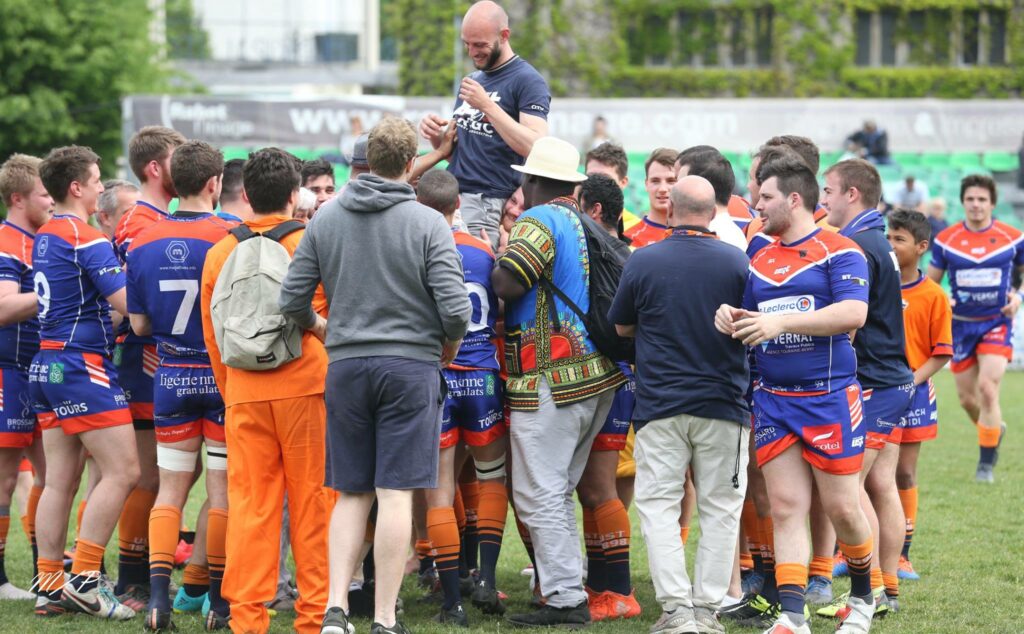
pixel 819 591
pixel 707 621
pixel 678 621
pixel 984 474
pixel 336 622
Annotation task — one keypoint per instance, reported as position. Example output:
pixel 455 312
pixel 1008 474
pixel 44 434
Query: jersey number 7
pixel 188 301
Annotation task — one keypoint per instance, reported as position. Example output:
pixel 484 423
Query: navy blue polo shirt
pixel 879 343
pixel 670 290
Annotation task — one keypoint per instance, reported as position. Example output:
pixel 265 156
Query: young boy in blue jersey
pixel 805 293
pixel 28 209
pixel 74 388
pixel 165 266
pixel 474 415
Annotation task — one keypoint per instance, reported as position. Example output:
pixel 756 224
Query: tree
pixel 186 37
pixel 64 67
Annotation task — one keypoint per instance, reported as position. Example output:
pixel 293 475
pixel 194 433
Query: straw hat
pixel 553 158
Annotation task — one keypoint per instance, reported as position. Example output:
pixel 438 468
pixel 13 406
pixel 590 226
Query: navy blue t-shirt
pixel 482 158
pixel 879 343
pixel 670 290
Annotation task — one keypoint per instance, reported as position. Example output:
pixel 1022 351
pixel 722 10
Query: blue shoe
pixel 839 566
pixel 184 603
pixel 819 591
pixel 906 570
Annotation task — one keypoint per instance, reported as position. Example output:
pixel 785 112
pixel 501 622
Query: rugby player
pixel 927 321
pixel 473 415
pixel 611 160
pixel 165 266
pixel 149 156
pixel 74 388
pixel 660 176
pixel 28 209
pixel 805 293
pixel 980 254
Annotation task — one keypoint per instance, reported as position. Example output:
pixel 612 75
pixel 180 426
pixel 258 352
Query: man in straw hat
pixel 560 387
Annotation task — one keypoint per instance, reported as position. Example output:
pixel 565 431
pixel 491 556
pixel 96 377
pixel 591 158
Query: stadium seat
pixel 1001 161
pixel 967 160
pixel 890 172
pixel 234 152
pixel 907 159
pixel 935 159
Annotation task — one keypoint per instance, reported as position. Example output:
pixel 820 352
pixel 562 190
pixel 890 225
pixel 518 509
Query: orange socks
pixel 443 529
pixel 821 567
pixel 164 523
pixel 216 555
pixel 988 437
pixel 612 522
pixel 50 580
pixel 133 538
pixel 908 499
pixel 791 580
pixel 88 557
pixel 596 579
pixel 858 558
pixel 684 534
pixel 892 584
pixel 195 575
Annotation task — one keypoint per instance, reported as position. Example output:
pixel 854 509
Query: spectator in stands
pixel 911 194
pixel 936 212
pixel 599 135
pixel 873 142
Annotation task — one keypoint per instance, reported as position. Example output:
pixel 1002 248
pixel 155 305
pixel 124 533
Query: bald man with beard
pixel 501 109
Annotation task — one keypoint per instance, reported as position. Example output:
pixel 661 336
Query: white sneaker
pixel 527 571
pixel 9 592
pixel 784 625
pixel 99 602
pixel 856 617
pixel 678 621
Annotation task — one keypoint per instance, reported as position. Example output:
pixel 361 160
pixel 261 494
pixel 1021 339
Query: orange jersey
pixel 646 232
pixel 740 211
pixel 302 377
pixel 927 321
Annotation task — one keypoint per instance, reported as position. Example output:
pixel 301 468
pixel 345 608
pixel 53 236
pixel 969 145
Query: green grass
pixel 968 548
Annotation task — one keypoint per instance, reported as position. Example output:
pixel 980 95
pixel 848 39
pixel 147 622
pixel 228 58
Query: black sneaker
pixel 336 622
pixel 487 599
pixel 751 611
pixel 158 621
pixel 549 616
pixel 455 615
pixel 215 621
pixel 466 585
pixel 397 628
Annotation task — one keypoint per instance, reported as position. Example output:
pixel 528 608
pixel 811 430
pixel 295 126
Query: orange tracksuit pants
pixel 273 447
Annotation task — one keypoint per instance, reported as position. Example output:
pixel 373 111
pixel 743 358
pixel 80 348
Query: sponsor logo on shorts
pixel 828 439
pixel 787 305
pixel 858 441
pixel 56 373
pixel 489 385
pixel 67 408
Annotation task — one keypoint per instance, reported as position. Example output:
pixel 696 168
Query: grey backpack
pixel 250 330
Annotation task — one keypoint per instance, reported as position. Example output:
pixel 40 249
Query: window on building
pixel 888 19
pixel 763 21
pixel 862 31
pixel 997 36
pixel 970 24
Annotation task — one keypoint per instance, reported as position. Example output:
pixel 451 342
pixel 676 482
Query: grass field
pixel 969 549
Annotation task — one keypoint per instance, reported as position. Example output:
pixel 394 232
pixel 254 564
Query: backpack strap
pixel 554 290
pixel 285 228
pixel 242 233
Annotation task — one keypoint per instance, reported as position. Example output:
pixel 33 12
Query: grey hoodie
pixel 389 267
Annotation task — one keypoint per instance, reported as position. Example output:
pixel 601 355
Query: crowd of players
pixel 826 346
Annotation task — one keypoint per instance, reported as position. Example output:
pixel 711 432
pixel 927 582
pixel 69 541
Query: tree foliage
pixel 186 37
pixel 64 67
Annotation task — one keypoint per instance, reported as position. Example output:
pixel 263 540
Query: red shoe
pixel 619 606
pixel 598 603
pixel 182 553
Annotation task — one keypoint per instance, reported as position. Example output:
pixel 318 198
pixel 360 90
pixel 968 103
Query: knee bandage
pixel 217 458
pixel 491 469
pixel 176 459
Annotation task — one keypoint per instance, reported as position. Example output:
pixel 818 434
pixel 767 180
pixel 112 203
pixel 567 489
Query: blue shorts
pixel 136 364
pixel 883 412
pixel 76 391
pixel 186 404
pixel 923 415
pixel 473 409
pixel 17 420
pixel 971 338
pixel 612 436
pixel 830 427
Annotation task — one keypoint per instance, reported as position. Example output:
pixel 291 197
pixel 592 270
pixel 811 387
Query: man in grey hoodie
pixel 398 310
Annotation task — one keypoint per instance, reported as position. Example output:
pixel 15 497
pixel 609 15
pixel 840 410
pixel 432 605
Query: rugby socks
pixel 892 585
pixel 858 558
pixel 752 532
pixel 491 516
pixel 460 519
pixel 821 567
pixel 443 529
pixel 133 540
pixel 78 517
pixel 988 440
pixel 33 504
pixel 5 526
pixel 50 579
pixel 88 557
pixel 216 555
pixel 470 538
pixel 423 549
pixel 792 581
pixel 768 589
pixel 164 523
pixel 908 498
pixel 746 561
pixel 684 534
pixel 876 578
pixel 196 580
pixel 613 525
pixel 597 580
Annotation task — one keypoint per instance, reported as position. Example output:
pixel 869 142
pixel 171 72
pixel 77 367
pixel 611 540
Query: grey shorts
pixel 383 424
pixel 479 213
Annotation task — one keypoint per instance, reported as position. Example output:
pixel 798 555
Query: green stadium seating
pixel 935 159
pixel 907 159
pixel 890 172
pixel 966 160
pixel 1001 161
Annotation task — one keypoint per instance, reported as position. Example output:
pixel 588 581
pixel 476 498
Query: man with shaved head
pixel 690 410
pixel 501 109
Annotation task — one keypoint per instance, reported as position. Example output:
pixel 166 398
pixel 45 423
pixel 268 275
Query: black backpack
pixel 607 256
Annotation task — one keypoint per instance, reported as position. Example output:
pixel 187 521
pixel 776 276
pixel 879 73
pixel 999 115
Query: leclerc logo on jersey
pixel 828 439
pixel 787 305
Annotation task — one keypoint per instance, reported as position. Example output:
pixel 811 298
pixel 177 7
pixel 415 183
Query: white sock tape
pixel 176 459
pixel 490 469
pixel 217 458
